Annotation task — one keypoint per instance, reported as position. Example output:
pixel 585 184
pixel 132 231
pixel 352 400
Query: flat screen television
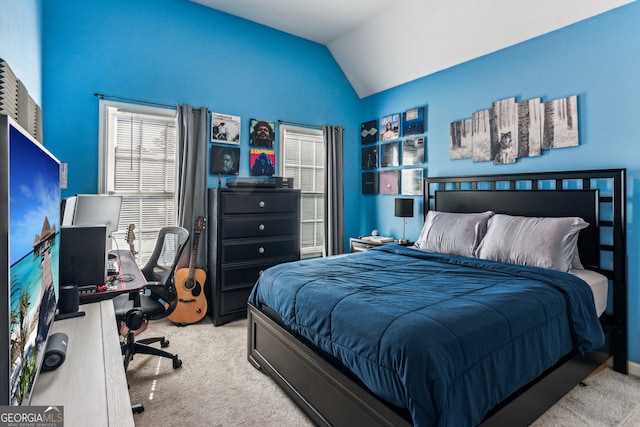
pixel 29 247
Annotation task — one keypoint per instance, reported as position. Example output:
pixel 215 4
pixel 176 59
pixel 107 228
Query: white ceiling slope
pixel 380 44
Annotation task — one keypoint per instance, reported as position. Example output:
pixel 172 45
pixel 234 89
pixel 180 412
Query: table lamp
pixel 404 209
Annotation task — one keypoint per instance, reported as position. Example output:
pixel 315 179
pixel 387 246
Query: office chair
pixel 157 299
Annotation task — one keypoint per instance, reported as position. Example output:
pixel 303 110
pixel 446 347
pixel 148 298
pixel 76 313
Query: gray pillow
pixel 541 242
pixel 453 233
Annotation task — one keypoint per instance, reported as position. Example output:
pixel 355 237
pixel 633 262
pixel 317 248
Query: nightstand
pixel 357 244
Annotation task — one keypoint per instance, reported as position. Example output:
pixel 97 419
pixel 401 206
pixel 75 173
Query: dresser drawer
pixel 257 249
pixel 251 203
pixel 243 276
pixel 244 226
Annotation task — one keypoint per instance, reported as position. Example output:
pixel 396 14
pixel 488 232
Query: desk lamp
pixel 404 209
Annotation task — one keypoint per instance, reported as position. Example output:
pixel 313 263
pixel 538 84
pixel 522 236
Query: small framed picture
pixel 224 160
pixel 411 181
pixel 390 154
pixel 369 132
pixel 389 182
pixel 262 162
pixel 413 151
pixel 225 128
pixel 370 157
pixel 390 127
pixel 262 133
pixel 413 121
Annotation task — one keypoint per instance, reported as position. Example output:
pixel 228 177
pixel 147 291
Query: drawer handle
pixel 262 204
pixel 261 250
pixel 261 227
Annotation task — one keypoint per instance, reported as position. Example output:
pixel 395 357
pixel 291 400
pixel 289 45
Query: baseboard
pixel 634 368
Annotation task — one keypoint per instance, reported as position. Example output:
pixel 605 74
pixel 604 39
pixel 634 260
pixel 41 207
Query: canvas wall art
pixel 225 128
pixel 369 132
pixel 390 127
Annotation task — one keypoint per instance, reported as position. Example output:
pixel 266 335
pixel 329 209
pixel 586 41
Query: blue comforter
pixel 446 337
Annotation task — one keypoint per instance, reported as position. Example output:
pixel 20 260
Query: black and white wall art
pixel 510 130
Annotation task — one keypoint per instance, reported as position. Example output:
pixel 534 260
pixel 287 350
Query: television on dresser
pixel 29 247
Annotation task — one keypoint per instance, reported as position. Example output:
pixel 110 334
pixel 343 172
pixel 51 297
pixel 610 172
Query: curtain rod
pixel 101 96
pixel 299 124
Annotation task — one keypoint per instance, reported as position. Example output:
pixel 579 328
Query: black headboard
pixel 597 196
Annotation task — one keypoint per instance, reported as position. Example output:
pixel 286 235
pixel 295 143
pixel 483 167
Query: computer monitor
pixel 92 209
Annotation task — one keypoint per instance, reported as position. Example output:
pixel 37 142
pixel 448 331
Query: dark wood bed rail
pixel 610 185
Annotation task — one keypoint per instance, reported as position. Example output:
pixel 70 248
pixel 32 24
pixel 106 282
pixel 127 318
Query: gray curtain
pixel 191 191
pixel 334 191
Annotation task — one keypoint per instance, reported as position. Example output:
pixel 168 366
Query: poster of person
pixel 262 162
pixel 224 160
pixel 390 127
pixel 225 128
pixel 261 133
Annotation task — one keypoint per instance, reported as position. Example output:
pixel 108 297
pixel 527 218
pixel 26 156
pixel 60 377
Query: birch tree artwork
pixel 560 123
pixel 510 130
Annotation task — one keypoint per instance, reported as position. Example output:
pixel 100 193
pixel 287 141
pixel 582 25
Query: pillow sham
pixel 453 233
pixel 541 242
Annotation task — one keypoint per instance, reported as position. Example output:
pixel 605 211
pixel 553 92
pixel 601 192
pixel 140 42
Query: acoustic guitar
pixel 189 282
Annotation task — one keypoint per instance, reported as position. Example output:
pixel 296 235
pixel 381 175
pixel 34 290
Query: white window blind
pixel 303 158
pixel 138 148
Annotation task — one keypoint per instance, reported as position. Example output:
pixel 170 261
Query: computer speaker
pixel 56 351
pixel 69 299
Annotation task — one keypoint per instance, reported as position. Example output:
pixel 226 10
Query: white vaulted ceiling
pixel 380 44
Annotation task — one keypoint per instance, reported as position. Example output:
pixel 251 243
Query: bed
pixel 447 351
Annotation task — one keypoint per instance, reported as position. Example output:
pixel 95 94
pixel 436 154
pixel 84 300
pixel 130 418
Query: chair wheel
pixel 176 362
pixel 164 343
pixel 137 409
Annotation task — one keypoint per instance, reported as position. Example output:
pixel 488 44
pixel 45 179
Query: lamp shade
pixel 404 208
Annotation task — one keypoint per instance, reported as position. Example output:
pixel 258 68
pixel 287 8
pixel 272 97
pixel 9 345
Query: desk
pixel 91 383
pixel 130 278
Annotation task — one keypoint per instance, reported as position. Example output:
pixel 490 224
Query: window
pixel 303 158
pixel 138 162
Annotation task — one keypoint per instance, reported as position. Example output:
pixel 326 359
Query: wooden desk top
pixel 91 384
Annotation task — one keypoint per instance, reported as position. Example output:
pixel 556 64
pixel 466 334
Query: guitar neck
pixel 194 255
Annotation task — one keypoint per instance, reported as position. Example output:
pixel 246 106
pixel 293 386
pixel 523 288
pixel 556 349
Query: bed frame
pixel 332 396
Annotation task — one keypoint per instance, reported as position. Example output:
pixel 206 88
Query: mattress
pixel 599 285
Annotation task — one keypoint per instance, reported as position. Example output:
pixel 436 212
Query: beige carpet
pixel 217 386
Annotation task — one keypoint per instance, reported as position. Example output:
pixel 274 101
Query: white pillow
pixel 453 233
pixel 541 242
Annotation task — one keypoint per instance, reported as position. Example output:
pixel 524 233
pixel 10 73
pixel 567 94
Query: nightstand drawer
pixel 258 203
pixel 238 227
pixel 254 250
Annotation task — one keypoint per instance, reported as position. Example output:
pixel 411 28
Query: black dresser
pixel 250 230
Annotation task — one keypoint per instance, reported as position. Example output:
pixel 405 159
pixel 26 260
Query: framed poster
pixel 369 132
pixel 370 157
pixel 390 127
pixel 413 121
pixel 370 183
pixel 413 151
pixel 390 154
pixel 262 162
pixel 411 182
pixel 225 128
pixel 262 133
pixel 224 160
pixel 389 182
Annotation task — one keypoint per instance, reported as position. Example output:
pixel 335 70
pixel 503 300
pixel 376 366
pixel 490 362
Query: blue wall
pixel 597 60
pixel 175 51
pixel 211 59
